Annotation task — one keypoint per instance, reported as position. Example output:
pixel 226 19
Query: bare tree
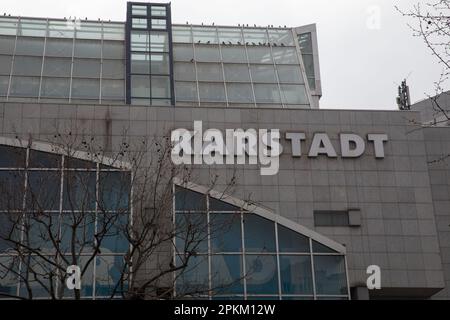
pixel 430 21
pixel 57 211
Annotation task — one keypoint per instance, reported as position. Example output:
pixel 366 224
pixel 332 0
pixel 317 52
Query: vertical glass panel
pixel 113 50
pixel 187 200
pixel 114 191
pixel 312 83
pixel 256 36
pixel 9 267
pixel 308 60
pixel 88 49
pixel 191 233
pixel 160 87
pixel 236 72
pixel 8 26
pixel 181 34
pixel 305 41
pixel 254 227
pixel 25 87
pixel 207 53
pixel 79 190
pixel 240 93
pixel 57 67
pixel 159 42
pixel 140 86
pixel 43 190
pixel 320 248
pixel 5 65
pixel 282 55
pixel 113 31
pixel 281 37
pixel 227 274
pixel 225 232
pixel 186 91
pixel 262 274
pixel 205 35
pixel 108 272
pixel 184 71
pixel 85 88
pixel 27 66
pixel 41 275
pixel 296 275
pixel 212 92
pixel 140 63
pixel 193 278
pixel 158 11
pixel 12 157
pixel 235 54
pixel 83 235
pixel 113 89
pixel 61 29
pixel 115 227
pixel 160 63
pixel 263 73
pixel 267 93
pixel 59 47
pixel 89 30
pixel 32 28
pixel 159 24
pixel 10 229
pixel 290 74
pixel 30 46
pixel 139 23
pixel 294 94
pixel 41 231
pixel 140 41
pixel 209 72
pixel 230 36
pixel 7 44
pixel 39 159
pixel 183 52
pixel 4 83
pixel 218 205
pixel 12 185
pixel 291 241
pixel 330 275
pixel 86 68
pixel 55 88
pixel 113 69
pixel 139 10
pixel 259 55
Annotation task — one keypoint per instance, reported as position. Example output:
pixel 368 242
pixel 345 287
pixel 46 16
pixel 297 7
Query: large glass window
pixel 242 255
pixel 54 209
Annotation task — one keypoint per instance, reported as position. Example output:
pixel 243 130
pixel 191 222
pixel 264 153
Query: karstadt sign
pixel 263 147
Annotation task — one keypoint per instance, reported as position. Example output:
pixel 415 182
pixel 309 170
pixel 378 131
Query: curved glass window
pixel 60 206
pixel 231 253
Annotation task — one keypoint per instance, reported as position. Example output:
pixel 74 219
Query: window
pixel 294 94
pixel 240 93
pixel 25 87
pixel 183 53
pixel 4 82
pixel 281 37
pixel 140 86
pixel 30 46
pixel 7 45
pixel 290 74
pixel 275 268
pixel 182 34
pixel 160 87
pixel 113 89
pixel 267 93
pixel 46 226
pixel 209 72
pixel 27 66
pixel 55 88
pixel 138 10
pixel 158 11
pixel 263 73
pixel 85 89
pixel 234 54
pixel 207 53
pixel 59 47
pixel 256 36
pixel 5 65
pixel 159 24
pixel 86 68
pixel 230 36
pixel 139 23
pixel 236 72
pixel 186 91
pixel 285 55
pixel 259 55
pixel 205 35
pixel 212 92
pixel 184 71
pixel 331 218
pixel 88 49
pixel 57 67
pixel 113 69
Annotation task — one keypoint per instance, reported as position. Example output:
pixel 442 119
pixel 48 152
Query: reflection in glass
pixel 296 275
pixel 330 275
pixel 254 227
pixel 227 274
pixel 261 274
pixel 225 232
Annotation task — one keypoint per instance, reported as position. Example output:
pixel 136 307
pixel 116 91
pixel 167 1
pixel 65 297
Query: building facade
pixel 340 202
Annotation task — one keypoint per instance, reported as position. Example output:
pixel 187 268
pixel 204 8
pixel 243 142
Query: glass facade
pixel 62 60
pixel 149 75
pixel 243 255
pixel 237 66
pixel 306 47
pixel 42 197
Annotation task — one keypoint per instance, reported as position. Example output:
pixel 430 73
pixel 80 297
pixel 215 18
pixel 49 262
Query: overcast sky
pixel 365 46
